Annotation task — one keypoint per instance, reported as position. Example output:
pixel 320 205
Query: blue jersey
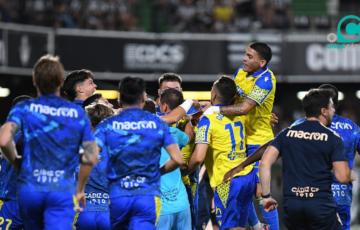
pixel 53 130
pixel 133 140
pixel 308 151
pixel 97 188
pixel 173 192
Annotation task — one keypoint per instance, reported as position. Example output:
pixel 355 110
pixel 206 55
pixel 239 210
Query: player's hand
pixel 80 201
pixel 274 119
pixel 230 174
pixel 211 110
pixel 269 204
pixel 196 105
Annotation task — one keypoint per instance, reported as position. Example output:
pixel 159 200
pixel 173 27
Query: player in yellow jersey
pixel 256 85
pixel 221 143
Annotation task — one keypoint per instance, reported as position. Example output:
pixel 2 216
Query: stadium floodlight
pixel 301 94
pixel 108 94
pixel 197 95
pixel 358 94
pixel 4 92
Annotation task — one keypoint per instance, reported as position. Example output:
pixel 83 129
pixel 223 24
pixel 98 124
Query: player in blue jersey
pixel 53 130
pixel 133 140
pixel 9 208
pixel 350 134
pixel 79 85
pixel 309 151
pixel 96 213
pixel 175 208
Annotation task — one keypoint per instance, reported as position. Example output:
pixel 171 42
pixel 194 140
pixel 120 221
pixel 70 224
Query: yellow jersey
pixel 227 145
pixel 260 87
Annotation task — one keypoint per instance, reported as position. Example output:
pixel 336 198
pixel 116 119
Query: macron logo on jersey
pixel 52 111
pixel 132 125
pixel 340 125
pixel 307 136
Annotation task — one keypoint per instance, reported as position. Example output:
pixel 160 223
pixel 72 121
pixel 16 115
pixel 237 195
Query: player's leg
pixel 322 215
pixel 146 210
pixel 183 220
pixel 10 215
pixel 120 211
pixel 32 206
pixel 232 201
pixel 344 212
pixel 59 211
pixel 165 222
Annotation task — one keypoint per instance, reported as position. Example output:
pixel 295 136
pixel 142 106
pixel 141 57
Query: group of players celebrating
pixel 71 160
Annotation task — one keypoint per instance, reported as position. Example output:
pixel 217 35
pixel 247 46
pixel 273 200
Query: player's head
pixel 20 99
pixel 132 92
pixel 318 103
pixel 170 99
pixel 257 56
pixel 97 98
pixel 97 113
pixel 48 74
pixel 150 105
pixel 79 84
pixel 169 81
pixel 335 91
pixel 223 91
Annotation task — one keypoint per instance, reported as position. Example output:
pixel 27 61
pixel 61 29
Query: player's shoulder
pixel 331 132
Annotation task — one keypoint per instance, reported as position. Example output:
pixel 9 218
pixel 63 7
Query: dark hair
pixel 48 74
pixel 97 113
pixel 335 91
pixel 72 79
pixel 171 97
pixel 131 90
pixel 19 99
pixel 263 50
pixel 315 100
pixel 169 77
pixel 150 106
pixel 91 99
pixel 225 86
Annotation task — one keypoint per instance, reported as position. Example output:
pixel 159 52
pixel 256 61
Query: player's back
pixel 133 140
pixel 227 145
pixel 308 151
pixel 53 129
pixel 260 87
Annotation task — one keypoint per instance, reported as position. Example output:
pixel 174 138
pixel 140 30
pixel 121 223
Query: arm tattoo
pixel 90 149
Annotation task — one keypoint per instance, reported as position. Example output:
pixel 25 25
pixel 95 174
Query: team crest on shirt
pixel 219 116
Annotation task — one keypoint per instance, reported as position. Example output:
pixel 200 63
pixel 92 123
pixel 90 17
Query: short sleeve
pixel 202 133
pixel 16 115
pixel 338 153
pixel 168 139
pixel 100 136
pixel 87 133
pixel 277 142
pixel 261 89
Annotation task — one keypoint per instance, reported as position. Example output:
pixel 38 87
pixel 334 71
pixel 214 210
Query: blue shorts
pixel 10 215
pixel 233 200
pixel 93 220
pixel 46 210
pixel 134 212
pixel 176 221
pixel 344 212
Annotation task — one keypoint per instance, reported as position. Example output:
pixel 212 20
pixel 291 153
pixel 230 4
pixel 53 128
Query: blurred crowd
pixel 176 15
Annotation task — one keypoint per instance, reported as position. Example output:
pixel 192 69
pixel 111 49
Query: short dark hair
pixel 131 90
pixel 19 99
pixel 92 99
pixel 169 77
pixel 335 91
pixel 226 87
pixel 315 100
pixel 48 74
pixel 150 106
pixel 171 97
pixel 263 50
pixel 97 113
pixel 72 79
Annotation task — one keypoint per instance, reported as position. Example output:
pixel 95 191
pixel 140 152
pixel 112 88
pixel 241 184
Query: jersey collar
pixel 260 71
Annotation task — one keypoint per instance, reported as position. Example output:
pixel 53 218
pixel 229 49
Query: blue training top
pixel 53 130
pixel 133 140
